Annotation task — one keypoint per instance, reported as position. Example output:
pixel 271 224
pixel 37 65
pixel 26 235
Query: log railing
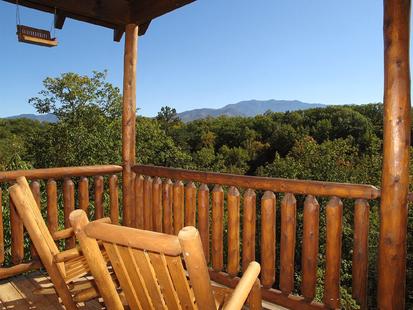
pixel 240 219
pixel 237 220
pixel 58 191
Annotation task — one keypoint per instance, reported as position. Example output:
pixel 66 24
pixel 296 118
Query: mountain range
pixel 243 108
pixel 49 117
pixel 249 108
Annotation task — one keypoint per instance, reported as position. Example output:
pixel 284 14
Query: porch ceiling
pixel 114 14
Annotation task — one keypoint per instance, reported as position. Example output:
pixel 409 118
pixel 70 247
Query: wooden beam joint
pixel 59 19
pixel 143 27
pixel 118 34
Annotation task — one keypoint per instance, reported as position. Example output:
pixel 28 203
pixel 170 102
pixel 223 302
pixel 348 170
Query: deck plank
pixel 25 286
pixel 10 298
pixel 43 278
pixel 17 293
pixel 34 280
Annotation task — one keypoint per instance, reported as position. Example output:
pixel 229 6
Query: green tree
pixel 154 146
pixel 167 118
pixel 14 138
pixel 89 126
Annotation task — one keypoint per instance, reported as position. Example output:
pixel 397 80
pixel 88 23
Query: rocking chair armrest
pixel 64 256
pixel 69 232
pixel 63 234
pixel 67 255
pixel 244 287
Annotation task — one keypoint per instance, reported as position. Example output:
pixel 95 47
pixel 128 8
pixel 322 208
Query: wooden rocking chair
pixel 150 270
pixel 63 267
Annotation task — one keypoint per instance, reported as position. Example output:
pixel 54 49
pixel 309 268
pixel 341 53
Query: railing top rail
pixel 316 188
pixel 60 173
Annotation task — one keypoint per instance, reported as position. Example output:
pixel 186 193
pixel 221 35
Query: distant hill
pixel 50 118
pixel 249 108
pixel 243 108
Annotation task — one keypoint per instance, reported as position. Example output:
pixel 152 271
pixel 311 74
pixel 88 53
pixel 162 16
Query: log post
pixel 395 177
pixel 129 121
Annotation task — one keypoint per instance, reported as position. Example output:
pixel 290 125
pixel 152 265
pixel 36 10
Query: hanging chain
pixel 52 27
pixel 17 13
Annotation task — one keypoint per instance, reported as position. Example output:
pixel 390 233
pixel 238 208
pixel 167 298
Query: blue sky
pixel 212 53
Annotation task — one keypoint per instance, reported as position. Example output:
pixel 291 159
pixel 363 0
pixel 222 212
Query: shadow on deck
pixel 17 293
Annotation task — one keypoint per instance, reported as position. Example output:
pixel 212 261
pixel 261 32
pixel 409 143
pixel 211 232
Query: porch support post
pixel 395 178
pixel 129 121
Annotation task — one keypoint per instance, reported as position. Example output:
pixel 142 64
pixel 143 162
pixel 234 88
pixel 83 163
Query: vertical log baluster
pixel 178 206
pixel 190 204
pixel 360 252
pixel 114 199
pixel 203 218
pixel 334 211
pixel 98 197
pixel 83 188
pixel 218 228
pixel 309 260
pixel 233 199
pixel 139 201
pixel 1 229
pixel 268 224
pixel 248 228
pixel 52 217
pixel 167 201
pixel 287 246
pixel 17 241
pixel 133 216
pixel 68 206
pixel 35 188
pixel 147 203
pixel 157 204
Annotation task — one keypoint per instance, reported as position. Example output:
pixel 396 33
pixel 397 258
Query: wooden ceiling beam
pixel 59 20
pixel 118 34
pixel 143 27
pixel 119 31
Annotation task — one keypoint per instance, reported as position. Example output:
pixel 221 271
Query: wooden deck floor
pixel 17 293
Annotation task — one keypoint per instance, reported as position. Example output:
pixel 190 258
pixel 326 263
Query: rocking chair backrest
pixel 30 214
pixel 149 265
pixel 42 239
